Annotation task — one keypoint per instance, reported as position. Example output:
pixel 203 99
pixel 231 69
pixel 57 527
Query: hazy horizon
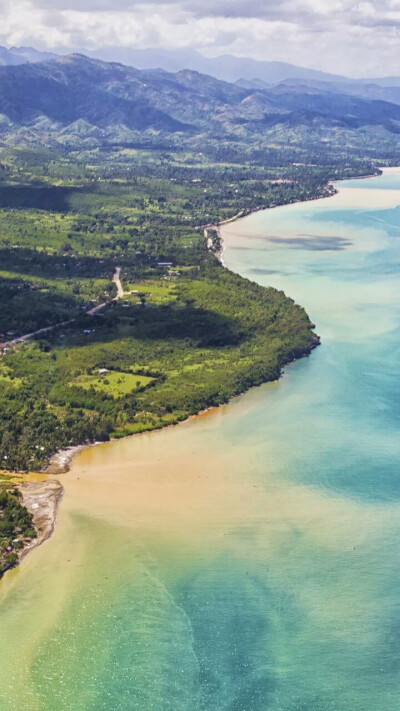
pixel 114 55
pixel 354 39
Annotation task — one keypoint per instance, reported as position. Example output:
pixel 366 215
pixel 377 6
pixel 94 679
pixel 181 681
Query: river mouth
pixel 245 559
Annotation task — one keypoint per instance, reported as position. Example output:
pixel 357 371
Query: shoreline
pixel 60 462
pixel 335 191
pixel 330 194
pixel 42 499
pixel 241 215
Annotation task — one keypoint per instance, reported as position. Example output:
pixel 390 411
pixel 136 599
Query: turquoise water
pixel 342 264
pixel 248 560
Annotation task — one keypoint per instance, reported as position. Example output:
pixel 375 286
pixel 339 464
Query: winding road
pixel 120 293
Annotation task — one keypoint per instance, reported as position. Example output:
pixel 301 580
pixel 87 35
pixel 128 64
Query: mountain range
pixel 91 94
pixel 226 67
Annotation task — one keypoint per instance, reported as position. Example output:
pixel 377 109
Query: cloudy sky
pixel 341 36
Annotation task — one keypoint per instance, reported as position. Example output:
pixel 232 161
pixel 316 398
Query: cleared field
pixel 113 383
pixel 154 291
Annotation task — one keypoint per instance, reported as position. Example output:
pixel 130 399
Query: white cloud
pixel 342 36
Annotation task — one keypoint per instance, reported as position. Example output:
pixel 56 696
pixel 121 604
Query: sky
pixel 340 36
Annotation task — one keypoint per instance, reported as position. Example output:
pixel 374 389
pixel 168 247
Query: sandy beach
pixel 41 499
pixel 61 460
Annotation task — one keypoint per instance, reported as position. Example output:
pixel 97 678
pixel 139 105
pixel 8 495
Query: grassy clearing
pixel 154 291
pixel 116 384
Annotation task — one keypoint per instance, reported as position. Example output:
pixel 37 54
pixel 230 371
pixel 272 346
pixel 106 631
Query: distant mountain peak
pixel 23 55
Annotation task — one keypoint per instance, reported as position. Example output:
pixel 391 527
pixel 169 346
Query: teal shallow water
pixel 248 560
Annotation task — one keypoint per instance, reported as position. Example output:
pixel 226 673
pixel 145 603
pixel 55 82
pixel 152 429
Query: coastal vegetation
pixel 16 527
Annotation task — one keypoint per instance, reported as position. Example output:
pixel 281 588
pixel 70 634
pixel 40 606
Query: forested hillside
pixel 79 101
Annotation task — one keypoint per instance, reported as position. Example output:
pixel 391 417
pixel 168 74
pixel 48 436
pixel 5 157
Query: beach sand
pixel 41 498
